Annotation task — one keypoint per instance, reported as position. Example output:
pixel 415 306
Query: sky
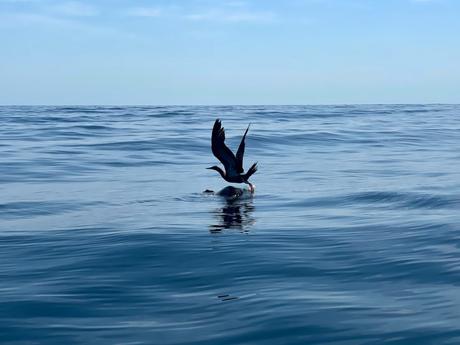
pixel 187 52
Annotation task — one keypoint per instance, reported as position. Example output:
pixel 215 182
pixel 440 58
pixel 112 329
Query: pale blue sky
pixel 229 51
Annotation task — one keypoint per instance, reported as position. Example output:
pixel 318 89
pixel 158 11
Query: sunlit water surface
pixel 352 237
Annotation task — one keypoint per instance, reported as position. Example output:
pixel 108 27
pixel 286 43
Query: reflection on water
pixel 235 214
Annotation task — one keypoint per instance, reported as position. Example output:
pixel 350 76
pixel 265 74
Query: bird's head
pixel 219 170
pixel 215 167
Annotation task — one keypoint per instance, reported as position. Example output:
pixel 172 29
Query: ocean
pixel 352 236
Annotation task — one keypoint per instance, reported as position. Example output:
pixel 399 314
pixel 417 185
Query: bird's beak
pixel 209 168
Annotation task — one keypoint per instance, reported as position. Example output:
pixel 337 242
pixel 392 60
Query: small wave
pixel 31 209
pixel 297 139
pixel 93 127
pixel 408 200
pixel 383 199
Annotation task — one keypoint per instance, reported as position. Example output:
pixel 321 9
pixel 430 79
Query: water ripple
pixel 352 236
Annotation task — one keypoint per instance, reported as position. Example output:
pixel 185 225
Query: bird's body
pixel 234 172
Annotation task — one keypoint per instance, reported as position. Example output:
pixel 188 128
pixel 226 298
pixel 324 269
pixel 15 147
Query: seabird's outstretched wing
pixel 240 153
pixel 221 151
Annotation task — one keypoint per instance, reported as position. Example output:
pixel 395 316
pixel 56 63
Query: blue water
pixel 352 237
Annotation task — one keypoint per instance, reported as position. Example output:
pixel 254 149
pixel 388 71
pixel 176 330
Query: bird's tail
pixel 251 171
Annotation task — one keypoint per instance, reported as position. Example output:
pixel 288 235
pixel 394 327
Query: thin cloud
pixel 230 11
pixel 236 4
pixel 233 11
pixel 18 1
pixel 231 16
pixel 144 12
pixel 74 8
pixel 17 18
pixel 53 8
pixel 31 20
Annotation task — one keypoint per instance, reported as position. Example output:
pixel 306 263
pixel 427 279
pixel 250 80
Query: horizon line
pixel 220 105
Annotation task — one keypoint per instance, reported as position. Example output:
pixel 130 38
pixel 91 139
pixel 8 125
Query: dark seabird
pixel 233 165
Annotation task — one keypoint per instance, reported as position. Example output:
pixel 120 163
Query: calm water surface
pixel 353 236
